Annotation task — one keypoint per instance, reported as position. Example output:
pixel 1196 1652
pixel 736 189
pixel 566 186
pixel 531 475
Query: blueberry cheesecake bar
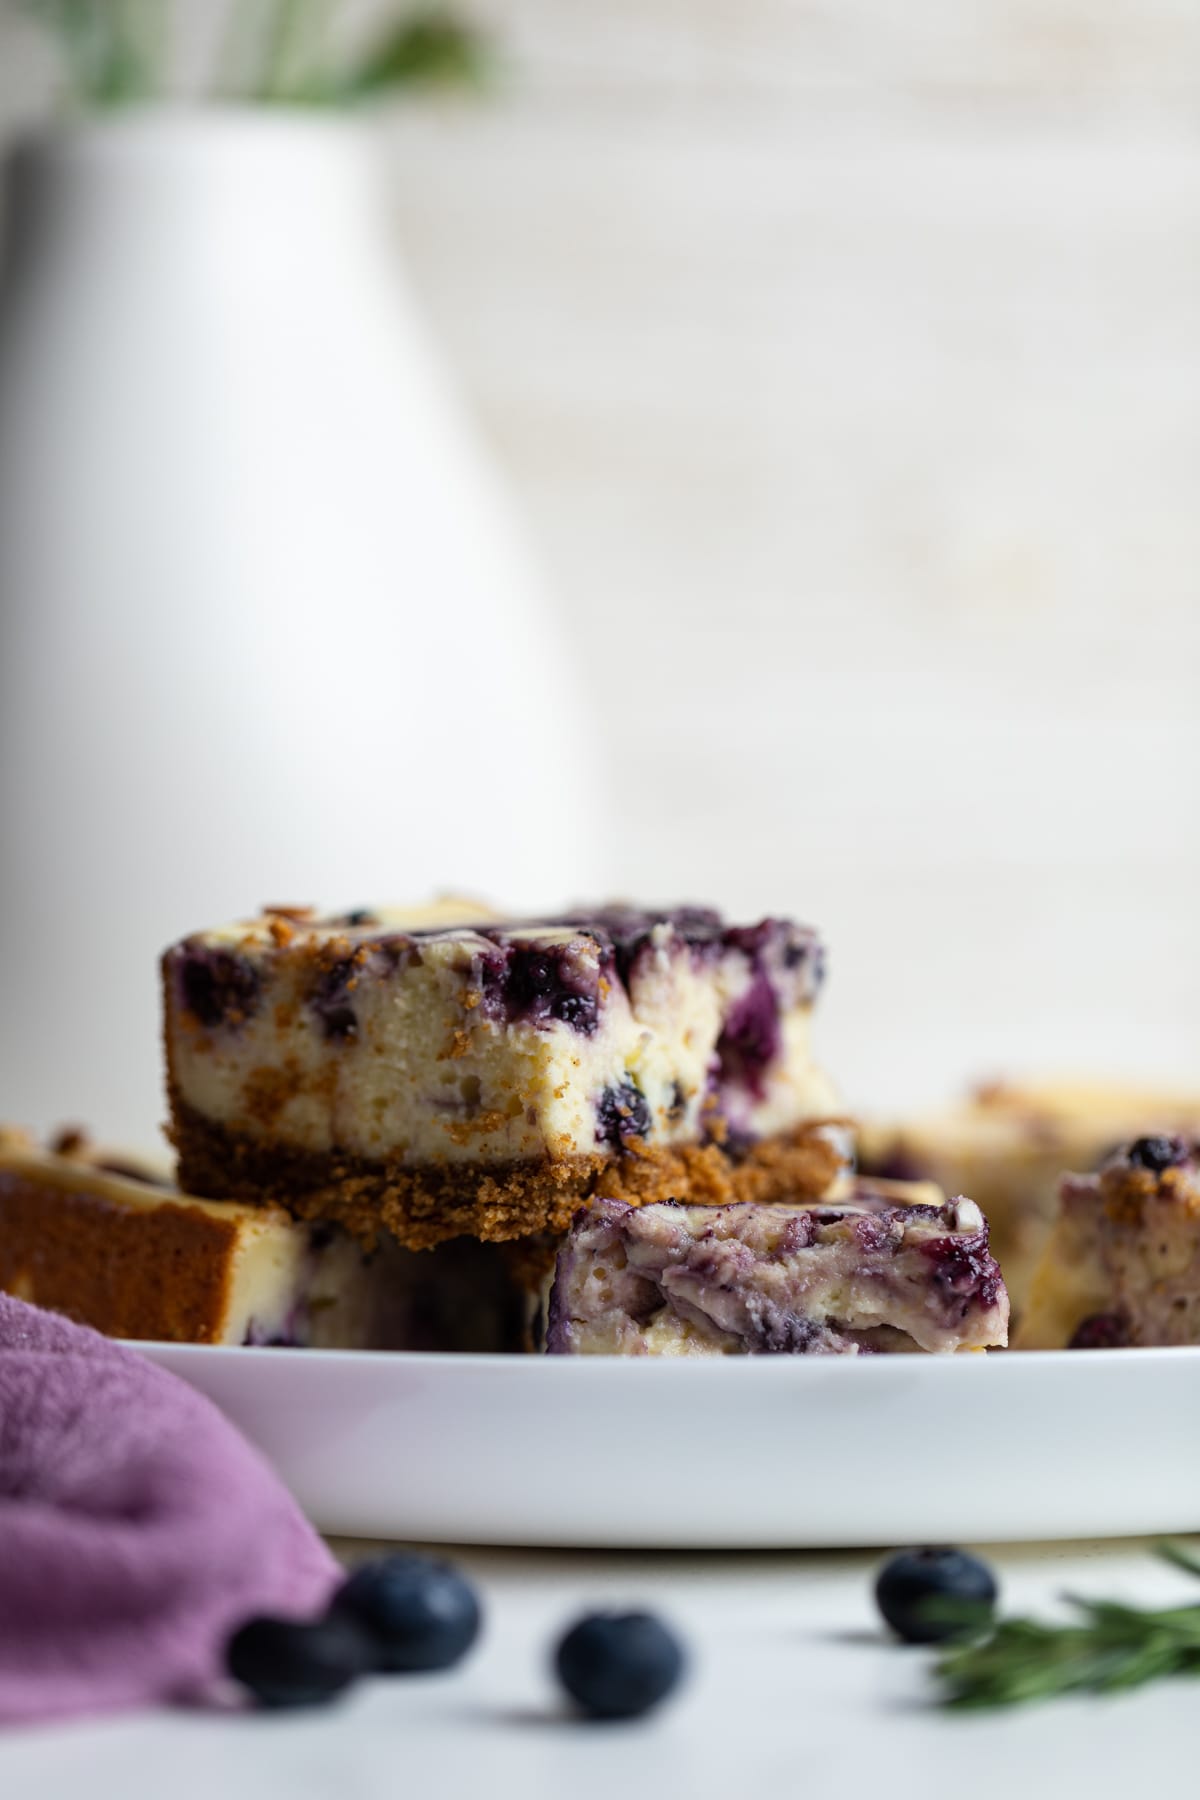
pixel 446 1072
pixel 1122 1263
pixel 888 1267
pixel 112 1243
pixel 1008 1143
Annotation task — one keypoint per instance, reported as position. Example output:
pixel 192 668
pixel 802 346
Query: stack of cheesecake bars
pixel 597 1133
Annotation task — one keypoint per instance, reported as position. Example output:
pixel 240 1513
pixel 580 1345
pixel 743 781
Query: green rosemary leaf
pixel 291 51
pixel 1188 1560
pixel 113 50
pixel 430 48
pixel 1107 1647
pixel 276 52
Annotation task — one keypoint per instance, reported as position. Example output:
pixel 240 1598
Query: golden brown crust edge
pixel 164 1274
pixel 428 1205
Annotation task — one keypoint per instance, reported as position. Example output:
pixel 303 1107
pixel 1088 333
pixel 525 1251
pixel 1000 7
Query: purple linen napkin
pixel 137 1528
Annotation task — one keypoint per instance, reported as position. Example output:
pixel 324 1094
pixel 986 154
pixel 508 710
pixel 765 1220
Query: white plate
pixel 741 1452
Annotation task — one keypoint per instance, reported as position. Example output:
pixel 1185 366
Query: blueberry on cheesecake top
pixel 1122 1264
pixel 885 1267
pixel 448 1036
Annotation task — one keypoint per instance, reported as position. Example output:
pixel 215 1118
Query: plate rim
pixel 477 1361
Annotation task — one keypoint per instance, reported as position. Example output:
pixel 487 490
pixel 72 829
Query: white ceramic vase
pixel 267 632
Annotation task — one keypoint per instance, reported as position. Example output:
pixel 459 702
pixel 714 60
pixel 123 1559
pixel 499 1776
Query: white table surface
pixel 793 1692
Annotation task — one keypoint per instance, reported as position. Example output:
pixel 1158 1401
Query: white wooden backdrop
pixel 845 358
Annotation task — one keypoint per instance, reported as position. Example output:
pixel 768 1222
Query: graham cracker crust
pixel 161 1275
pixel 427 1205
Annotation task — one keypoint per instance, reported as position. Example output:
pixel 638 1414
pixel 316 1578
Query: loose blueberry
pixel 619 1665
pixel 291 1662
pixel 420 1612
pixel 913 1583
pixel 1157 1153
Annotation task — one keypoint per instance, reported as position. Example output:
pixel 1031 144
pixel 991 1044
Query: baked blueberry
pixel 963 1264
pixel 421 1613
pixel 619 1665
pixel 1157 1153
pixel 621 1112
pixel 916 1586
pixel 295 1662
pixel 751 1040
pixel 217 987
pixel 332 996
pixel 1100 1331
pixel 540 984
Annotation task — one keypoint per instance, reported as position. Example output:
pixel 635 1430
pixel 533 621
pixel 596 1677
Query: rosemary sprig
pixel 293 31
pixel 431 48
pixel 1107 1648
pixel 112 48
pixel 283 53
